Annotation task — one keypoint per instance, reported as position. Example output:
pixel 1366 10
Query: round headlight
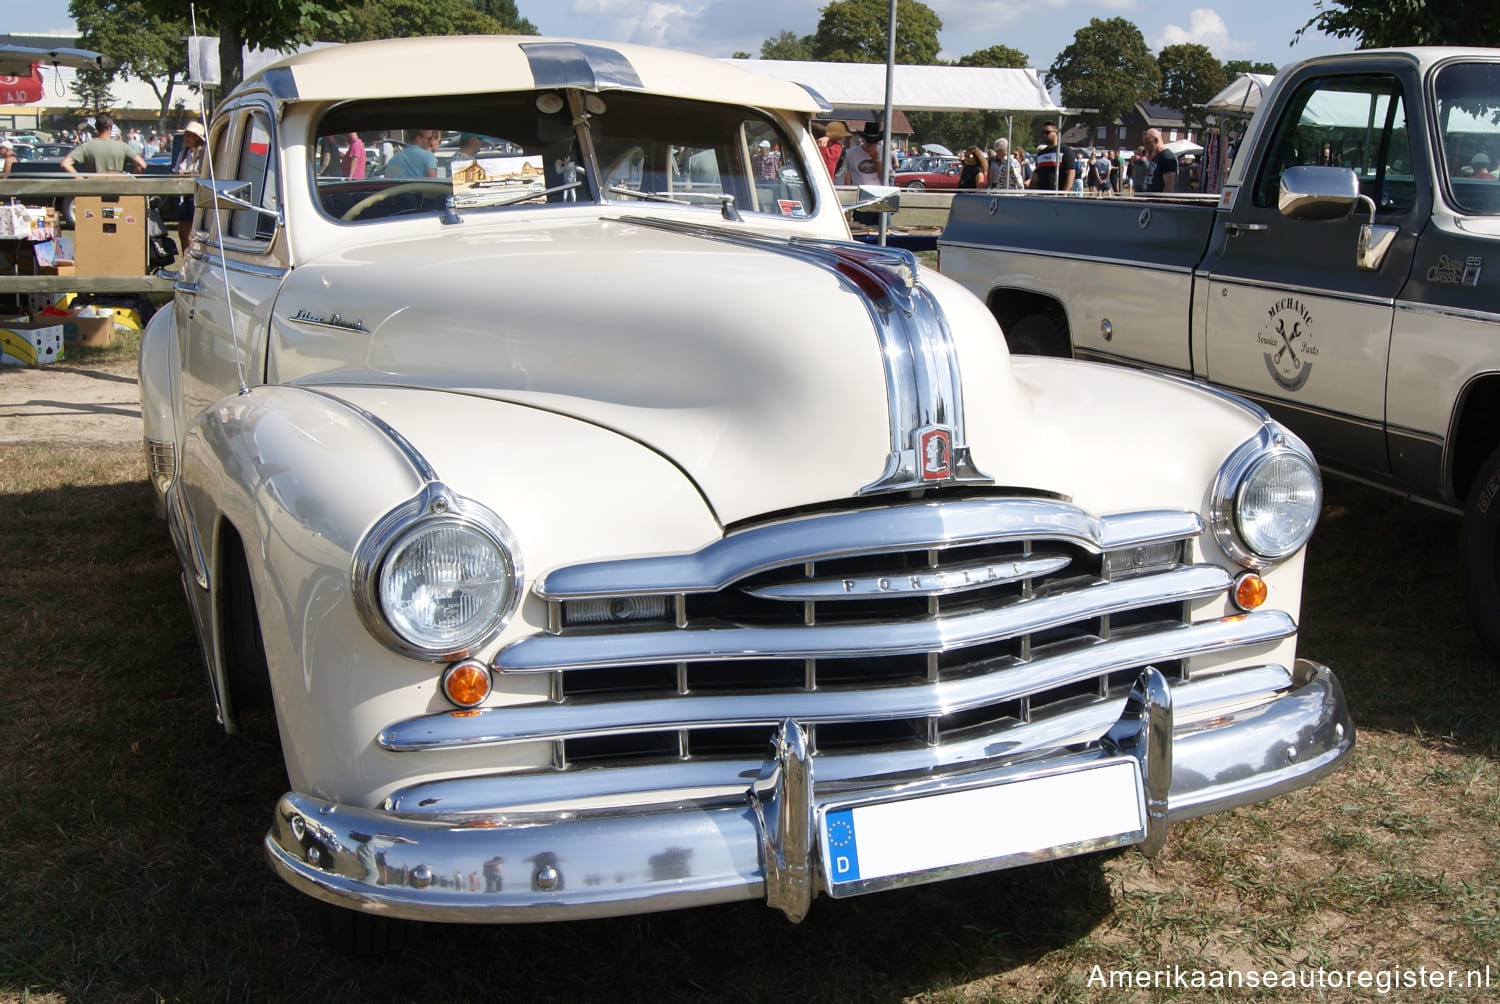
pixel 437 576
pixel 1277 504
pixel 443 586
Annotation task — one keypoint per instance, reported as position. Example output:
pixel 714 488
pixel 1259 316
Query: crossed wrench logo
pixel 1286 343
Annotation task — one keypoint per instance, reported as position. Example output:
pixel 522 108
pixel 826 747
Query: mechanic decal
pixel 1287 340
pixel 1456 271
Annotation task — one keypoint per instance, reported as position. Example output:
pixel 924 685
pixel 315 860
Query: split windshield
pixel 377 159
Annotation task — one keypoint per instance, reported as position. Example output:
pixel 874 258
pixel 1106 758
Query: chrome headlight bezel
pixel 434 505
pixel 1271 442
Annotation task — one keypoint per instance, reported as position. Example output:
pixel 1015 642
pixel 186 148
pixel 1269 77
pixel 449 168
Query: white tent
pixel 914 88
pixel 1242 96
pixel 1182 146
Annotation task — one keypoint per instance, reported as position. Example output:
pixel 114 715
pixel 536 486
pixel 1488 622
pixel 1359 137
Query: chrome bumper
pixel 1222 749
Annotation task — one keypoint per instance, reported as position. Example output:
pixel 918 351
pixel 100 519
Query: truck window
pixel 1468 116
pixel 1355 121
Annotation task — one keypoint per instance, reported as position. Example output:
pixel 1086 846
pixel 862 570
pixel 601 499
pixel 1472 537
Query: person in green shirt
pixel 103 153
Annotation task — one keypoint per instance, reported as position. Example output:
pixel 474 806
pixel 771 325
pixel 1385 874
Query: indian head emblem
pixel 935 452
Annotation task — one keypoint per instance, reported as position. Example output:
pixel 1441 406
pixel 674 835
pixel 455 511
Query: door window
pixel 1354 121
pixel 1468 117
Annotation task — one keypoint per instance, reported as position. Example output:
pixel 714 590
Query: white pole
pixel 885 149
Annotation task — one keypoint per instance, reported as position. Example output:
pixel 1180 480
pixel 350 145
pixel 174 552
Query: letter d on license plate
pixel 1075 811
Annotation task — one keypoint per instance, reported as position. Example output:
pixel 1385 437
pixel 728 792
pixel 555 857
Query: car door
pixel 1290 319
pixel 234 267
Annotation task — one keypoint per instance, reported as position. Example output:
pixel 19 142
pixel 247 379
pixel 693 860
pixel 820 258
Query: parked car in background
pixel 583 579
pixel 921 173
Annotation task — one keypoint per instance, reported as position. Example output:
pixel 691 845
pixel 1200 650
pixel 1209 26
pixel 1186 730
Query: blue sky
pixel 1260 31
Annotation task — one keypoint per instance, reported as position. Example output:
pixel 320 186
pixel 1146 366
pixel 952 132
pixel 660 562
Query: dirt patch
pixel 94 404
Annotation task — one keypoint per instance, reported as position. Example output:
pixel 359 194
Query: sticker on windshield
pixel 1287 338
pixel 791 207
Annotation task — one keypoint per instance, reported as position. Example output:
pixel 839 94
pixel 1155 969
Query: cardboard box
pixel 28 343
pixel 95 332
pixel 109 234
pixel 61 268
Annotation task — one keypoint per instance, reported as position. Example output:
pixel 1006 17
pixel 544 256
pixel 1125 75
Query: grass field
pixel 131 869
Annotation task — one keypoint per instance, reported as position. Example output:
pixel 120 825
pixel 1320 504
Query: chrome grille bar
pixel 866 531
pixel 545 653
pixel 622 715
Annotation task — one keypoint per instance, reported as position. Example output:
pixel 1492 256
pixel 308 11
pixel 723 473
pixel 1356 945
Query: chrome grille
pixel 884 627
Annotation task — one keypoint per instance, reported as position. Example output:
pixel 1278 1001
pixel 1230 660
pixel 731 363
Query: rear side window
pixel 1353 121
pixel 1468 119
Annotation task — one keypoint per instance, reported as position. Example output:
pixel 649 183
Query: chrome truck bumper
pixel 1174 752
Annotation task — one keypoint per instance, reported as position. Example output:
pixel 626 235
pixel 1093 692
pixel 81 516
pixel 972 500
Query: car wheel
pixel 1481 553
pixel 349 932
pixel 915 186
pixel 1037 335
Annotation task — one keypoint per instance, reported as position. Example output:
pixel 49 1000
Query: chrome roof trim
pixel 575 64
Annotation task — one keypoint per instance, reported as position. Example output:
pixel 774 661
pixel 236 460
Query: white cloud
pixel 1205 27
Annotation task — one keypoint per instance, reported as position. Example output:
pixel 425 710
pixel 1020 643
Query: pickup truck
pixel 1338 280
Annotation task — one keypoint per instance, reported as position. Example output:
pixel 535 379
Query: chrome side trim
pixel 545 653
pixel 910 527
pixel 939 582
pixel 572 720
pixel 924 389
pixel 1072 259
pixel 1388 302
pixel 1459 313
pixel 424 470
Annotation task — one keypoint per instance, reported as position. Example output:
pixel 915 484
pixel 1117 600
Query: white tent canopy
pixel 915 88
pixel 1242 95
pixel 1182 146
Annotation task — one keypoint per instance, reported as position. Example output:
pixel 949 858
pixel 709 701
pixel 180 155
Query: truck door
pixel 1290 319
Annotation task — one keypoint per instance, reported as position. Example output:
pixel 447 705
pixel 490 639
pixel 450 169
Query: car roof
pixel 470 64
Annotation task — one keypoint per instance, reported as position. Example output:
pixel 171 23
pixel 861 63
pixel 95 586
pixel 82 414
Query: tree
pixel 1106 68
pixel 999 56
pixel 91 88
pixel 855 31
pixel 505 13
pixel 144 46
pixel 1235 67
pixel 787 45
pixel 1408 22
pixel 268 24
pixel 412 18
pixel 1190 76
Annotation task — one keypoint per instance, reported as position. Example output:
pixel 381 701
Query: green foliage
pixel 144 46
pixel 788 45
pixel 269 24
pixel 1107 68
pixel 91 89
pixel 1408 22
pixel 1235 67
pixel 1190 75
pixel 411 19
pixel 505 13
pixel 855 31
pixel 999 56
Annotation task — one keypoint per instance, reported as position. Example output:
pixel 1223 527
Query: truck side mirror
pixel 1331 194
pixel 1318 193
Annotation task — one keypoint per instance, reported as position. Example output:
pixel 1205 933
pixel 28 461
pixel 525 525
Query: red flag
pixel 22 90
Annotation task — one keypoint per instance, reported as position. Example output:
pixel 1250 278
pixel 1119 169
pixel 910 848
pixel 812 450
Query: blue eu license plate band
pixel 1041 816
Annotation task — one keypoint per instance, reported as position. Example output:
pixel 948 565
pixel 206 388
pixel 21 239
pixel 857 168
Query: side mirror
pixel 876 199
pixel 1318 193
pixel 228 193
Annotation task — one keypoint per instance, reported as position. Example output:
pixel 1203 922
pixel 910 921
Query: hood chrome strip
pixel 924 389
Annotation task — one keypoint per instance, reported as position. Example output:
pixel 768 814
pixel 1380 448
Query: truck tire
pixel 1481 553
pixel 1037 335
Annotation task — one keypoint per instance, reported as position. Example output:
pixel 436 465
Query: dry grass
pixel 131 868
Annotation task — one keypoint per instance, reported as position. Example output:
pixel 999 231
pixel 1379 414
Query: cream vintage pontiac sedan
pixel 612 534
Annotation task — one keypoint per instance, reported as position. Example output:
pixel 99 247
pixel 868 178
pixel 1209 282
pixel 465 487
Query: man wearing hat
pixel 1481 165
pixel 862 164
pixel 831 144
pixel 7 157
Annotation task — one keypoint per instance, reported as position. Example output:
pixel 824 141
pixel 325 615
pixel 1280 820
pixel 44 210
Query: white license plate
pixel 869 847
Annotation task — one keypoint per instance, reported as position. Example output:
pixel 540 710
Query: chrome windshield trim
pixel 547 653
pixel 924 389
pixel 944 581
pixel 567 720
pixel 866 531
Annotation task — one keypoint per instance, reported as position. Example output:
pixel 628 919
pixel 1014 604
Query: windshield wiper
pixel 648 196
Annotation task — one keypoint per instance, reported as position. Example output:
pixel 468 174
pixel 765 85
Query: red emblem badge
pixel 935 453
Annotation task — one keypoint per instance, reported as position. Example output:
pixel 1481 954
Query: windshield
pixel 1468 117
pixel 376 159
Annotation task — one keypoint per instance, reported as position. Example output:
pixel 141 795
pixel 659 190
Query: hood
pixel 762 376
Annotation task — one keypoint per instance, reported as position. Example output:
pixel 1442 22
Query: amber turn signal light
pixel 466 683
pixel 1250 591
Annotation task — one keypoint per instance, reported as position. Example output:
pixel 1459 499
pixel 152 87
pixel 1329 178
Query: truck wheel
pixel 1037 335
pixel 1481 553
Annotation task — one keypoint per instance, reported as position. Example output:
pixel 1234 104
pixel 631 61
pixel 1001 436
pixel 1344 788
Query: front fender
pixel 158 367
pixel 302 475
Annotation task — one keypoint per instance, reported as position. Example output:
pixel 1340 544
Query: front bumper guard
pixel 570 866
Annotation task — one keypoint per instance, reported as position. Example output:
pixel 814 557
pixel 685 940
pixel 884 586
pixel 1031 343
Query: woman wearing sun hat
pixel 835 137
pixel 189 161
